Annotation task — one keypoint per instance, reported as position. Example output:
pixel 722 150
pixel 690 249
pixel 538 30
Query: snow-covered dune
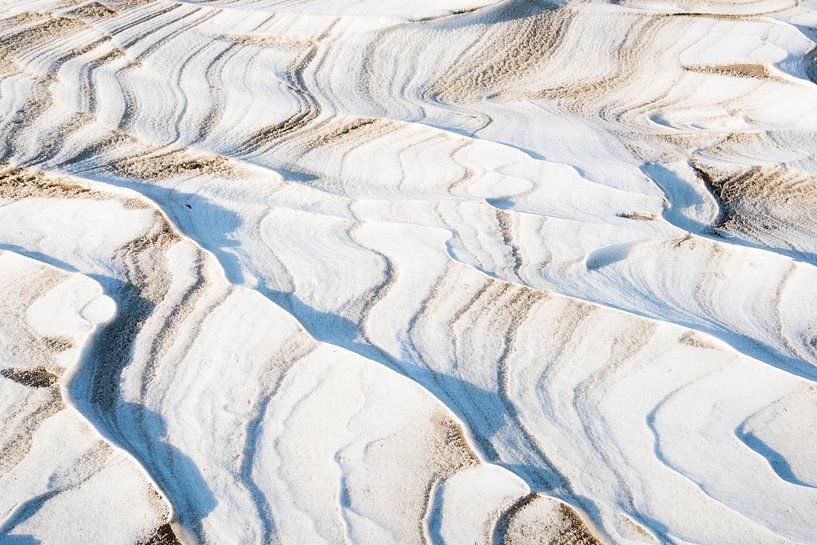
pixel 435 272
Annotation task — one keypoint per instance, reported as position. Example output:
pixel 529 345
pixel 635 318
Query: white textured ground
pixel 408 272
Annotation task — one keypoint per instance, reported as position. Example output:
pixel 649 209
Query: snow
pixel 416 273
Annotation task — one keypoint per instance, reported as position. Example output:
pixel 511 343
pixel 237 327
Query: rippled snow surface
pixel 408 272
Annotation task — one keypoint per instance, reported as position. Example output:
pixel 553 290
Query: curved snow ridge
pixel 455 272
pixel 175 308
pixel 52 459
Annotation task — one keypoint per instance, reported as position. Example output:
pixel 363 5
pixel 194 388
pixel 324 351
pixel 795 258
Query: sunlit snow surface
pixel 408 272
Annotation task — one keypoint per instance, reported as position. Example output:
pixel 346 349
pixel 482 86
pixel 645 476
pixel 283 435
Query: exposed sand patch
pixel 637 216
pixel 173 164
pixel 20 183
pixel 756 71
pixel 164 535
pixel 763 200
pixel 38 377
pixel 44 29
pixel 537 520
pixel 93 10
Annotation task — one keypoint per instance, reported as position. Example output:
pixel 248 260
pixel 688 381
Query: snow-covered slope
pixel 434 272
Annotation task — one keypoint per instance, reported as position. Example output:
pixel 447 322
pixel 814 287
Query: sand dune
pixel 454 272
